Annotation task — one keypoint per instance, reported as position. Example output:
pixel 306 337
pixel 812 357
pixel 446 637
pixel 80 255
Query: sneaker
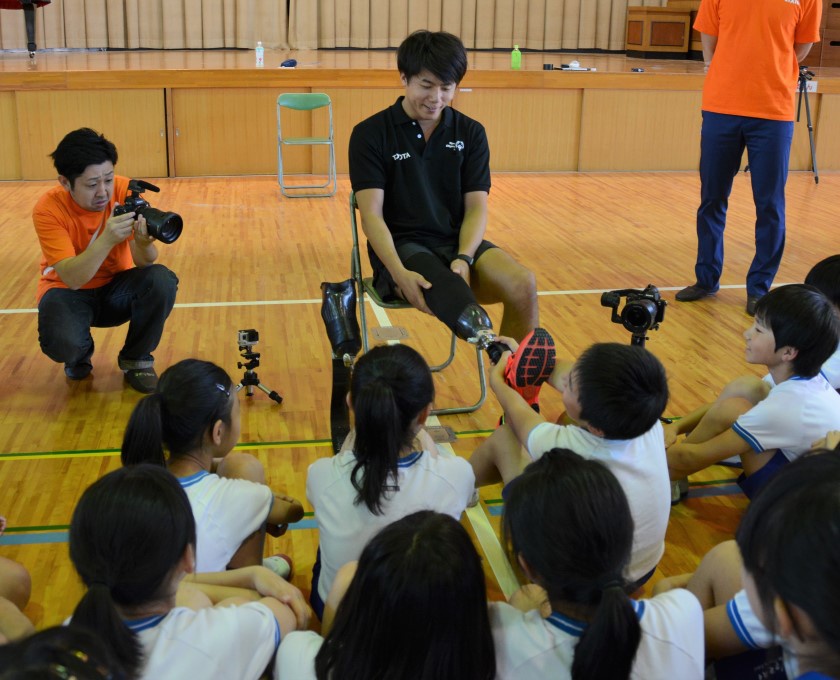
pixel 280 564
pixel 679 490
pixel 694 293
pixel 474 499
pixel 78 371
pixel 752 301
pixel 531 365
pixel 143 380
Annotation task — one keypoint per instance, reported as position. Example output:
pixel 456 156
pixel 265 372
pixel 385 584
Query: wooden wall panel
pixel 132 119
pixel 351 106
pixel 640 130
pixel 230 131
pixel 528 130
pixel 9 148
pixel 827 134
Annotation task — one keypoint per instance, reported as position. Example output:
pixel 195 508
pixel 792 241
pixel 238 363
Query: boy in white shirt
pixel 615 394
pixel 795 331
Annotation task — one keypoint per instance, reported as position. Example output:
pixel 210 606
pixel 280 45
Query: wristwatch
pixel 466 258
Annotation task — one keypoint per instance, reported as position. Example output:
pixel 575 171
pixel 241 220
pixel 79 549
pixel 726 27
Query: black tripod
pixel 804 76
pixel 250 380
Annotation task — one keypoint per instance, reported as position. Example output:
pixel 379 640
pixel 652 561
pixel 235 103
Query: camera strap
pixel 50 270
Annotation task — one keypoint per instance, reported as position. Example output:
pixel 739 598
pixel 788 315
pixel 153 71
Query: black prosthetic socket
pixel 475 326
pixel 449 294
pixel 452 301
pixel 473 322
pixel 338 310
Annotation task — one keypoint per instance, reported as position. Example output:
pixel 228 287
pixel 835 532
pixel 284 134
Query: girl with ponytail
pixel 190 425
pixel 388 466
pixel 132 541
pixel 567 523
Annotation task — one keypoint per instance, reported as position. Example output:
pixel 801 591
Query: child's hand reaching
pixel 672 431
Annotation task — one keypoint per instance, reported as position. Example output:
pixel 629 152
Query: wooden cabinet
pixel 660 32
pixel 133 119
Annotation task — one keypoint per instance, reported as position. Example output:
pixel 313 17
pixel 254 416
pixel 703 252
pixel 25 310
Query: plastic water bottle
pixel 516 58
pixel 260 55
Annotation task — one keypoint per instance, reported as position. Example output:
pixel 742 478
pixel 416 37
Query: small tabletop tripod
pixel 247 339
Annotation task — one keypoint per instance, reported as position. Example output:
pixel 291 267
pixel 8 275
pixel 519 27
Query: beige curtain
pixel 367 24
pixel 481 24
pixel 151 24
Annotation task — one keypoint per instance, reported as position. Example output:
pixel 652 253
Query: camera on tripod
pixel 247 339
pixel 643 311
pixel 164 226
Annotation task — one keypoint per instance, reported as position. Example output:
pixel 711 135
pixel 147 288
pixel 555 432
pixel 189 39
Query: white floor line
pixel 484 532
pixel 317 301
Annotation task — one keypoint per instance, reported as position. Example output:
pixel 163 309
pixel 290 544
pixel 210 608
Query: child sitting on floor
pixel 576 554
pixel 194 414
pixel 388 466
pixel 615 394
pixel 795 331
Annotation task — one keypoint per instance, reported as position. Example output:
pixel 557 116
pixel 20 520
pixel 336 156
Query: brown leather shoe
pixel 694 293
pixel 752 301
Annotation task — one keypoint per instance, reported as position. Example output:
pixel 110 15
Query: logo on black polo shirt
pixel 455 146
pixel 401 156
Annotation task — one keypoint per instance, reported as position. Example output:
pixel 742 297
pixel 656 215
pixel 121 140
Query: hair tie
pixel 610 585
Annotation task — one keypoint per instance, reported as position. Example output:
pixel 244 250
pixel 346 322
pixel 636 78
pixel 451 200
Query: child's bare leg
pixel 15 583
pixel 718 577
pixel 242 466
pixel 250 552
pixel 719 418
pixel 747 387
pixel 499 458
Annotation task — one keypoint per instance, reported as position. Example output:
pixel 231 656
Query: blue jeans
pixel 722 142
pixel 142 296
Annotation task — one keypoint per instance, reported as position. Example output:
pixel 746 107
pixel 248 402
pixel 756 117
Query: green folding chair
pixel 305 101
pixel 365 287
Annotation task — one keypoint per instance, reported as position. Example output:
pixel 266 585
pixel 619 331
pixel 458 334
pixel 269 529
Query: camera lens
pixel 164 226
pixel 639 315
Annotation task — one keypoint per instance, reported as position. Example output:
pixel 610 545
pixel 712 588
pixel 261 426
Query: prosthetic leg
pixel 473 325
pixel 338 311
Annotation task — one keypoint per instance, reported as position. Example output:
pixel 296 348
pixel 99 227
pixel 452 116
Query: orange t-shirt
pixel 754 70
pixel 64 230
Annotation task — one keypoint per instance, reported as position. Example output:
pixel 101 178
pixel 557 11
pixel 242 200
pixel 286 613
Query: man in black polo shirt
pixel 421 174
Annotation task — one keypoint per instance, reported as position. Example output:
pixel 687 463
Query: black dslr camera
pixel 164 226
pixel 644 310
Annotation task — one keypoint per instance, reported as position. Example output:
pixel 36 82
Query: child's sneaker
pixel 280 564
pixel 679 490
pixel 531 365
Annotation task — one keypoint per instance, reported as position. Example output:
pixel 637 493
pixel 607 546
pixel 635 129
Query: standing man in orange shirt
pixel 97 268
pixel 752 51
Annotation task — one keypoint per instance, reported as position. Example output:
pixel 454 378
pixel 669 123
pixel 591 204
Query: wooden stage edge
pixel 95 69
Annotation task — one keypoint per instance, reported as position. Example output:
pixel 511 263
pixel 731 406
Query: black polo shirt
pixel 424 182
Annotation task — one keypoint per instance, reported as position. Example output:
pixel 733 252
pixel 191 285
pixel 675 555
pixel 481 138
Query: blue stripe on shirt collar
pixel 575 627
pixel 139 625
pixel 192 479
pixel 410 459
